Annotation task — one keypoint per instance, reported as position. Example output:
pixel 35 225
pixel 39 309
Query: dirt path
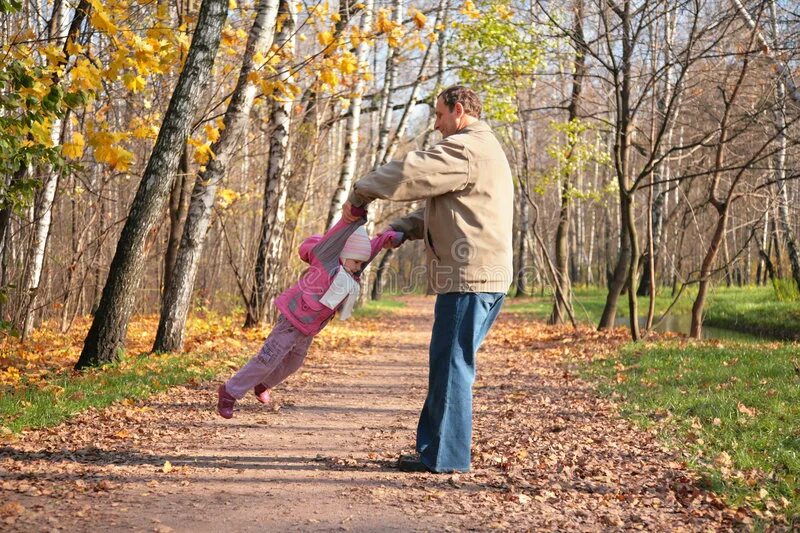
pixel 549 454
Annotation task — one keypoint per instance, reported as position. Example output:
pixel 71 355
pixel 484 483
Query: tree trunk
pixel 780 162
pixel 377 286
pixel 352 126
pixel 558 314
pixel 178 294
pixel 43 211
pixel 386 94
pixel 178 209
pixel 273 220
pixel 722 206
pixel 522 244
pixel 109 328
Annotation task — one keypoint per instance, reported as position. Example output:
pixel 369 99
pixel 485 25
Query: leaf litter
pixel 548 451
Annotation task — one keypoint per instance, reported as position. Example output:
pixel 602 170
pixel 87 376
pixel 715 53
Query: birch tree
pixel 270 243
pixel 178 294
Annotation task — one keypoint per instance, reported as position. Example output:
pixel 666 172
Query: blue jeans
pixel 444 432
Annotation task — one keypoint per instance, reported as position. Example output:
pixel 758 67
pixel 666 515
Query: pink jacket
pixel 300 303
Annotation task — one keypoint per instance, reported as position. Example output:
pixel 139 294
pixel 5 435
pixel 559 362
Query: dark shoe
pixel 262 393
pixel 225 402
pixel 412 463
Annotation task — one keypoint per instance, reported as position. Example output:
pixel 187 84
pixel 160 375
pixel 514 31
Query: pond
pixel 681 324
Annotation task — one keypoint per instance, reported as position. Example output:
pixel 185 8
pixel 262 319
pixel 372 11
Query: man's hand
pixel 347 212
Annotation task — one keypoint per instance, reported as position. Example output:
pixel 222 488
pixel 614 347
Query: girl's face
pixel 352 265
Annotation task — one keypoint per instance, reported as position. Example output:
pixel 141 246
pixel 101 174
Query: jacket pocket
pixel 310 302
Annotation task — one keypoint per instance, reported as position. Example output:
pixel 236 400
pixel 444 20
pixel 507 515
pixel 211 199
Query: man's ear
pixel 458 109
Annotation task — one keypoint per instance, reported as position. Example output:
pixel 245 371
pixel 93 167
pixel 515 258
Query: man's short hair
pixel 458 94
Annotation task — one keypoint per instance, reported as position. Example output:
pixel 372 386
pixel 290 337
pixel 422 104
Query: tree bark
pixel 352 126
pixel 178 209
pixel 721 205
pixel 273 220
pixel 178 294
pixel 377 286
pixel 779 111
pixel 109 328
pixel 557 316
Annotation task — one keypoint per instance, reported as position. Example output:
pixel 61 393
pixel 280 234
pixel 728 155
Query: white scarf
pixel 343 286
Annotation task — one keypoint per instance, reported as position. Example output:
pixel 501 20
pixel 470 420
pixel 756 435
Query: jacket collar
pixel 479 125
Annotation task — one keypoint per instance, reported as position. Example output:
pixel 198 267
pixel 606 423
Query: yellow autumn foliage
pixel 73 149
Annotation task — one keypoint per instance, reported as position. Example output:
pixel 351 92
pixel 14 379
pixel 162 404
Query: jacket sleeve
pixel 330 245
pixel 412 225
pixel 307 245
pixel 376 243
pixel 420 174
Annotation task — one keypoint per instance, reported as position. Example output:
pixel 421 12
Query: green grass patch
pixel 754 310
pixel 134 377
pixel 732 410
pixel 589 302
pixel 377 308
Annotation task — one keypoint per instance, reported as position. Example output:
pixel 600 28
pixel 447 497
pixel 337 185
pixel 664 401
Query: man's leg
pixel 444 432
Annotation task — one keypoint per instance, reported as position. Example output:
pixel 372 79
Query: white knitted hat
pixel 357 246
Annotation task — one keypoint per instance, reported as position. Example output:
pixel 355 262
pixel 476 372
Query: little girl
pixel 331 283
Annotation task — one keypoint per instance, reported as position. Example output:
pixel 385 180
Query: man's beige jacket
pixel 468 215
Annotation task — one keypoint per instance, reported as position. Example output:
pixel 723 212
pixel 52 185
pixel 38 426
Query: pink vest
pixel 300 303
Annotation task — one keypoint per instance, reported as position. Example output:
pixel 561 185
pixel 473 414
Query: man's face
pixel 448 122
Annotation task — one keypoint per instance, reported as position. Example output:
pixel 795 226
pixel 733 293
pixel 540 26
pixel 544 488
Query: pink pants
pixel 282 354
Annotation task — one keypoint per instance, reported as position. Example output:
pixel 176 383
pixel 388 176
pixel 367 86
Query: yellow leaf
pixel 74 49
pixel 336 17
pixel 212 133
pixel 228 36
pixel 74 148
pixel 355 36
pixel 167 468
pixel 202 152
pixel 325 38
pixel 54 54
pixel 101 20
pixel 232 4
pixel 384 23
pixel 348 63
pixel 85 76
pixel 226 197
pixel 395 37
pixel 470 10
pixel 419 19
pixel 133 83
pixel 41 132
pixel 329 77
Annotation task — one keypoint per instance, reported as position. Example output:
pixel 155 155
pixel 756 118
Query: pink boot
pixel 262 393
pixel 225 402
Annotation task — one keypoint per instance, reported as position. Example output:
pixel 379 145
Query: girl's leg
pixel 280 342
pixel 289 365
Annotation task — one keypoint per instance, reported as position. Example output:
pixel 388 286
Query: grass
pixel 733 410
pixel 376 308
pixel 132 378
pixel 589 303
pixel 754 310
pixel 749 310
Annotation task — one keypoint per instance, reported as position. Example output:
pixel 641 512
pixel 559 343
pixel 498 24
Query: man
pixel 466 224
